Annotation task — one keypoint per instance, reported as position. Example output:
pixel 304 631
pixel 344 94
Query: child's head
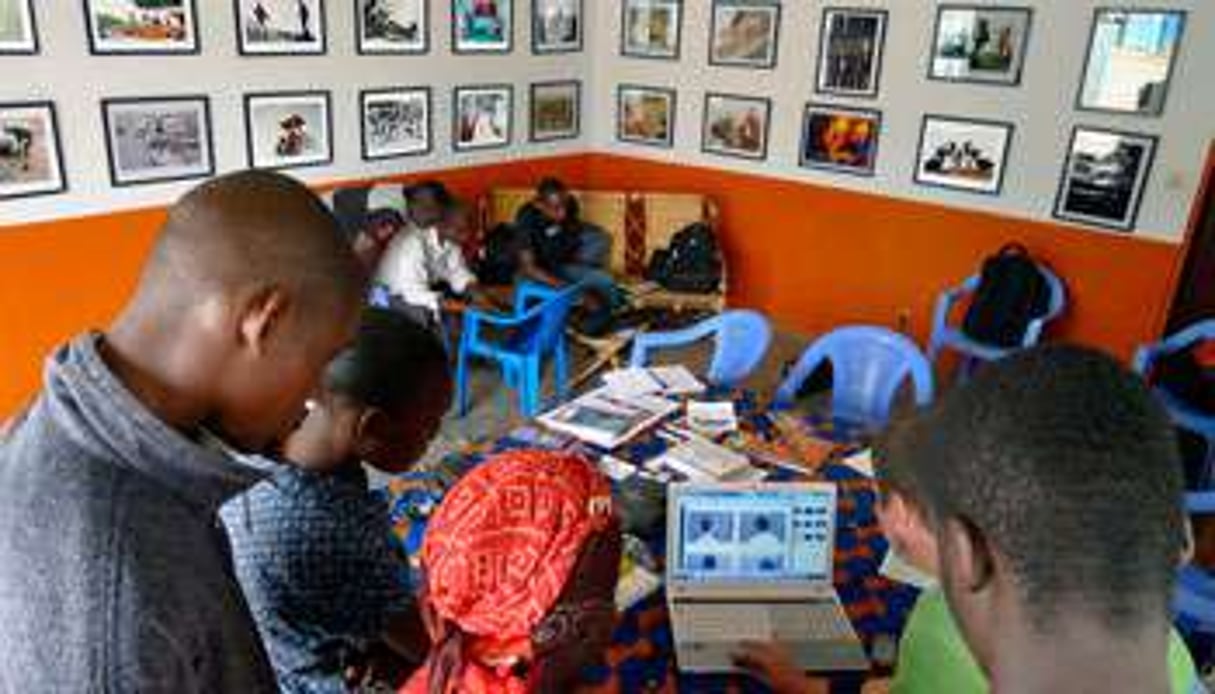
pixel 900 508
pixel 249 291
pixel 552 198
pixel 1054 487
pixel 381 399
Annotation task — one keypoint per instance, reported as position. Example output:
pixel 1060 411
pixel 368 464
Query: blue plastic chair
pixel 1194 592
pixel 868 364
pixel 945 335
pixel 535 331
pixel 1185 416
pixel 741 340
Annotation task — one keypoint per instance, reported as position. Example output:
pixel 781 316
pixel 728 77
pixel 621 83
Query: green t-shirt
pixel 933 658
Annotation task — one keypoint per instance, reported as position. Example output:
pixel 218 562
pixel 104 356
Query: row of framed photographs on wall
pixel 297 27
pixel 1131 52
pixel 1102 184
pixel 151 140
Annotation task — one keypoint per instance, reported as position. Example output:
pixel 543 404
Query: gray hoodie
pixel 114 574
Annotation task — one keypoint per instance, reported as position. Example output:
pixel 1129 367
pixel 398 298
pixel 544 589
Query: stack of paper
pixel 712 418
pixel 700 460
pixel 665 380
pixel 605 419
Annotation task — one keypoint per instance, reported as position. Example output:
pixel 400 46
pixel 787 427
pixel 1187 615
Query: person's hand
pixel 879 686
pixel 772 664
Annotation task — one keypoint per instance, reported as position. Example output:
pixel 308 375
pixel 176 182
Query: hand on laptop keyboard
pixel 772 664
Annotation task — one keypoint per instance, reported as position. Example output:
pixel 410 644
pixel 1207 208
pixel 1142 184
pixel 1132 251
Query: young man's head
pixel 382 220
pixel 428 202
pixel 900 508
pixel 457 222
pixel 1053 484
pixel 552 198
pixel 381 399
pixel 248 292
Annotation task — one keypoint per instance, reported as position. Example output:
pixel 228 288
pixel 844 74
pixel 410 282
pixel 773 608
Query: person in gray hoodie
pixel 115 575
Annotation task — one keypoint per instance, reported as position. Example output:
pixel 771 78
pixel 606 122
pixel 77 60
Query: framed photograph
pixel 557 26
pixel 556 110
pixel 134 27
pixel 1130 60
pixel 646 115
pixel 288 129
pixel 18 30
pixel 744 33
pixel 482 26
pixel 963 154
pixel 841 139
pixel 482 117
pixel 391 27
pixel 650 28
pixel 851 44
pixel 980 43
pixel 396 122
pixel 1104 177
pixel 158 139
pixel 31 161
pixel 736 126
pixel 280 27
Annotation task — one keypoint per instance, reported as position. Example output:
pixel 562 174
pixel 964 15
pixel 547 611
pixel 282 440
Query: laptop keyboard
pixel 820 621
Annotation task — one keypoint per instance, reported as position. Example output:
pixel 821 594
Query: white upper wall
pixel 65 72
pixel 1042 107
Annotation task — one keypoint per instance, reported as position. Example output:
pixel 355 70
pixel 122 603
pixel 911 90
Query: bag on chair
pixel 1012 292
pixel 692 263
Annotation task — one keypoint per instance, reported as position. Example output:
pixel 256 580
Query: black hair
pixel 393 363
pixel 891 470
pixel 550 186
pixel 430 187
pixel 1069 467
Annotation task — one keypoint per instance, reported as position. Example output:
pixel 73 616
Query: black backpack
pixel 1012 292
pixel 692 263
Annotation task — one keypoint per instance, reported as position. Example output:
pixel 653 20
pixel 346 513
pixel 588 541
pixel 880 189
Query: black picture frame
pixel 94 49
pixel 251 156
pixel 1137 194
pixel 62 183
pixel 672 99
pixel 879 52
pixel 207 135
pixel 578 48
pixel 774 5
pixel 760 156
pixel 456 92
pixel 1088 56
pixel 361 49
pixel 244 52
pixel 365 94
pixel 1025 10
pixel 1007 126
pixel 624 25
pixel 455 34
pixel 864 172
pixel 35 45
pixel 531 111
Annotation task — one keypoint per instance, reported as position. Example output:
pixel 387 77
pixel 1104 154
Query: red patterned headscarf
pixel 498 553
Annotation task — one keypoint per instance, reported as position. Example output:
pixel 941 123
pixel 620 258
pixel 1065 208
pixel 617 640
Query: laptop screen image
pixel 772 534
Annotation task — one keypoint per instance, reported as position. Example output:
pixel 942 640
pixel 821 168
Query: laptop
pixel 753 562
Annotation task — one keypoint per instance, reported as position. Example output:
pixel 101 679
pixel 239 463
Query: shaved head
pixel 251 228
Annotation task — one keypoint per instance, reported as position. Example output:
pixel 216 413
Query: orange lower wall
pixel 58 278
pixel 816 257
pixel 811 257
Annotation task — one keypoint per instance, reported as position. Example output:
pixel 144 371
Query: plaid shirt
pixel 313 555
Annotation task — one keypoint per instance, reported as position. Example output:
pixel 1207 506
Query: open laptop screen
pixel 775 533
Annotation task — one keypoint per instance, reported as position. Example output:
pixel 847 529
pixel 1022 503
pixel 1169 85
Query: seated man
pixel 427 259
pixel 1047 493
pixel 521 560
pixel 370 217
pixel 311 545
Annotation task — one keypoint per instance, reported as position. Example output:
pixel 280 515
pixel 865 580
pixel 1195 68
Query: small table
pixel 641 657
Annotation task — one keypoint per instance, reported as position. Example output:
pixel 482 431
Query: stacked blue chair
pixel 951 336
pixel 1194 594
pixel 519 343
pixel 1184 415
pixel 740 338
pixel 868 365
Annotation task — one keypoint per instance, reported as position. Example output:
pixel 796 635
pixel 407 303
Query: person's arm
pixel 531 269
pixel 775 667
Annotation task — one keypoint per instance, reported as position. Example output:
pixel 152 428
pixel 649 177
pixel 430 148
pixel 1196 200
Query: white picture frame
pixel 475 31
pixel 31 158
pixel 396 122
pixel 963 153
pixel 980 44
pixel 852 44
pixel 555 111
pixel 153 140
pixel 744 33
pixel 280 27
pixel 286 130
pixel 646 115
pixel 1104 177
pixel 651 28
pixel 122 27
pixel 18 28
pixel 557 26
pixel 392 27
pixel 482 117
pixel 736 126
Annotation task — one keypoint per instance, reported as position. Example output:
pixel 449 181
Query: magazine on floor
pixel 605 419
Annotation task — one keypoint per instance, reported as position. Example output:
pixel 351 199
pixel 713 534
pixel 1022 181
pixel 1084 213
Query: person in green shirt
pixel 933 654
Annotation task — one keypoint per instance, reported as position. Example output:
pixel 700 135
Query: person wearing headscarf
pixel 520 562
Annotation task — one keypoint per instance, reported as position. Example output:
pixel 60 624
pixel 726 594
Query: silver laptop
pixel 753 562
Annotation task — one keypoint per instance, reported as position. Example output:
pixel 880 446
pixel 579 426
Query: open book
pixel 605 419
